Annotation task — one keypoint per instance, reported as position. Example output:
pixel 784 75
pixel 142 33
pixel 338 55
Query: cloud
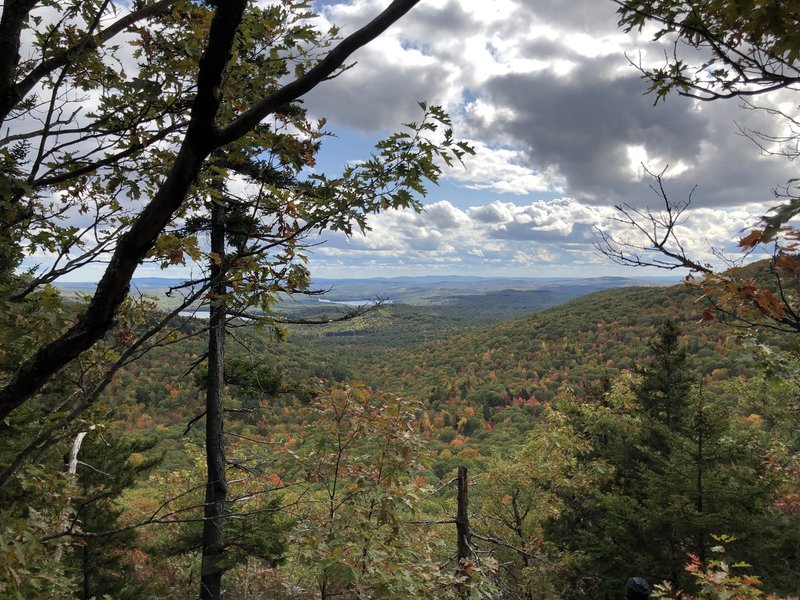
pixel 444 216
pixel 561 126
pixel 581 126
pixel 401 67
pixel 540 238
pixel 550 101
pixel 592 128
pixel 496 212
pixel 504 170
pixel 563 220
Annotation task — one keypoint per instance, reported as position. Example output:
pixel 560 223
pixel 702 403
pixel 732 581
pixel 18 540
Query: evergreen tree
pixel 107 467
pixel 667 379
pixel 681 468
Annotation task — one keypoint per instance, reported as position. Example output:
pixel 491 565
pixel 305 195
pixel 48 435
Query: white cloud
pixel 503 170
pixel 550 101
pixel 552 106
pixel 444 215
pixel 535 239
pixel 496 212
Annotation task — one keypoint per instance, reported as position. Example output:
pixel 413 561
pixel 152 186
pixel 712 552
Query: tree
pixel 517 496
pixel 150 130
pixel 721 51
pixel 667 380
pixel 200 92
pixel 265 256
pixel 188 119
pixel 109 184
pixel 746 48
pixel 765 294
pixel 649 474
pixel 29 568
pixel 357 498
pixel 211 567
pixel 105 471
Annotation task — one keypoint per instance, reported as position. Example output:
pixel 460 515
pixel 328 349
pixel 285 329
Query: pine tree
pixel 681 468
pixel 107 468
pixel 667 379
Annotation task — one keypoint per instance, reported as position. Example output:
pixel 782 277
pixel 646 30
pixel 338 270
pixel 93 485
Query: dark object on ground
pixel 637 589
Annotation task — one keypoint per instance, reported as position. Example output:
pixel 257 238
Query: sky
pixel 561 126
pixel 563 131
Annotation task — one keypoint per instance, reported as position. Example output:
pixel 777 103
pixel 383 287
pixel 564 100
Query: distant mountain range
pixel 428 280
pixel 140 282
pixel 500 297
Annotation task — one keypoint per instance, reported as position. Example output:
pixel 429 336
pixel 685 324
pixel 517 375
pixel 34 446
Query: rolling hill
pixel 584 340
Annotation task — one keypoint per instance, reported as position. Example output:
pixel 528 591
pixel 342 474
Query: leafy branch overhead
pixel 738 294
pixel 137 131
pixel 718 50
pixel 393 177
pixel 746 48
pixel 199 104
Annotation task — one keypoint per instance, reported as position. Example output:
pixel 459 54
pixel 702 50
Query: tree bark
pixel 72 469
pixel 216 484
pixel 132 248
pixel 701 546
pixel 463 552
pixel 15 13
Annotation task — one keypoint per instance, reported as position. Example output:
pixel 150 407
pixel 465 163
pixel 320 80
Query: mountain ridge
pixel 595 336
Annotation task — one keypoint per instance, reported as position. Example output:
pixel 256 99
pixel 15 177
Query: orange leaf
pixel 787 262
pixel 769 303
pixel 751 239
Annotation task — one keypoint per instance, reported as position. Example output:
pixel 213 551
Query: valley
pixel 469 386
pixel 399 300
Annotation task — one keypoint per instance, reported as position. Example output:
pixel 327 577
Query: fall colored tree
pixel 723 51
pixel 192 106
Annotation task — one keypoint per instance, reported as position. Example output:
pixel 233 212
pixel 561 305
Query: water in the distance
pixel 351 302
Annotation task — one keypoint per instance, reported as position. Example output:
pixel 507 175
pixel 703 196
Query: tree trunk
pixel 701 546
pixel 217 485
pixel 72 469
pixel 202 138
pixel 518 522
pixel 98 317
pixel 12 22
pixel 462 528
pixel 87 591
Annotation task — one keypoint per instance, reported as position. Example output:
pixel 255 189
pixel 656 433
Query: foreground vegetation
pixel 581 474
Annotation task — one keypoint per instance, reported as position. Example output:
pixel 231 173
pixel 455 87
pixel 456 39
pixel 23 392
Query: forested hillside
pixel 487 400
pixel 583 341
pixel 446 391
